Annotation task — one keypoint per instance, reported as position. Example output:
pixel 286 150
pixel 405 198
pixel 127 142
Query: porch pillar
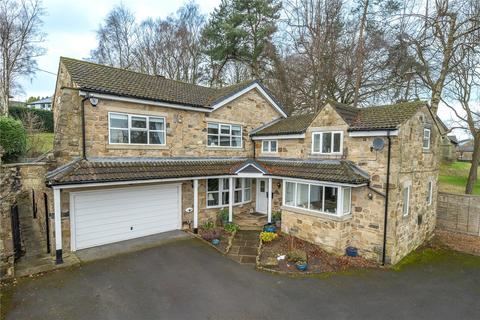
pixel 230 199
pixel 195 206
pixel 58 225
pixel 269 201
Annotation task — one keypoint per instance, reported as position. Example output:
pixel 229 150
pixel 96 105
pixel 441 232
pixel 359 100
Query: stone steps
pixel 250 221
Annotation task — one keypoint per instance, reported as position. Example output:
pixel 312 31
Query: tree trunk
pixel 360 55
pixel 472 175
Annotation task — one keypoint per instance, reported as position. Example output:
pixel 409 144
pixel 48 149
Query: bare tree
pixel 117 39
pixel 436 32
pixel 20 36
pixel 463 98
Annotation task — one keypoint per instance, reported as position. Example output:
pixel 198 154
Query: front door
pixel 262 195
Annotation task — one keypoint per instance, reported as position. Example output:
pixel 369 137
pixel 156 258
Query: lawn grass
pixel 39 143
pixel 453 178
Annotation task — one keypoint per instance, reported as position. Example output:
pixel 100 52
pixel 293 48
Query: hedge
pixel 13 138
pixel 45 116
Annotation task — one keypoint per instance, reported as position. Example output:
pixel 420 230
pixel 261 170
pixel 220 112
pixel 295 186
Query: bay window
pixel 218 191
pixel 136 129
pixel 327 142
pixel 224 135
pixel 333 200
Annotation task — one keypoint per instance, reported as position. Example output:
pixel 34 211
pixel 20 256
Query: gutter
pixel 387 191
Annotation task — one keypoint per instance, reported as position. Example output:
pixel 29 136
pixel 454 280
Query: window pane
pixel 327 142
pixel 238 196
pixel 138 136
pixel 316 197
pixel 302 195
pixel 212 140
pixel 247 195
pixel 224 129
pixel 265 146
pixel 405 200
pixel 238 183
pixel 225 141
pixel 118 121
pixel 346 199
pixel 212 184
pixel 226 184
pixel 213 128
pixel 236 130
pixel 289 193
pixel 139 122
pixel 429 192
pixel 273 146
pixel 212 199
pixel 236 142
pixel 118 136
pixel 156 124
pixel 336 142
pixel 225 197
pixel 262 186
pixel 316 142
pixel 156 137
pixel 330 200
pixel 248 183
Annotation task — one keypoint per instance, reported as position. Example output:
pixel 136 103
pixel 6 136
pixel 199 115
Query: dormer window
pixel 327 142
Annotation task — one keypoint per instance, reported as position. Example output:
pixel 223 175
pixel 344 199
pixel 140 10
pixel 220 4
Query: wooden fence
pixel 459 213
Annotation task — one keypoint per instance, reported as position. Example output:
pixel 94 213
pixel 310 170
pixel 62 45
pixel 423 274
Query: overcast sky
pixel 70 27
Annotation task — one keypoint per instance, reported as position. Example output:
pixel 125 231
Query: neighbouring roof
pixel 453 138
pixel 42 101
pixel 102 170
pixel 385 117
pixel 115 81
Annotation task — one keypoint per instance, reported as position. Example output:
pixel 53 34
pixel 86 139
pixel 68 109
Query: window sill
pixel 225 148
pixel 136 147
pixel 226 205
pixel 317 215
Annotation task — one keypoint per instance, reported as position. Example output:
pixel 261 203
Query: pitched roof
pixel 44 100
pixel 386 117
pixel 98 170
pixel 109 80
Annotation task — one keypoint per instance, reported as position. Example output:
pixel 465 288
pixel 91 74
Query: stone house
pixel 137 155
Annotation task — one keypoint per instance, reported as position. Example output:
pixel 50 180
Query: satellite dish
pixel 378 144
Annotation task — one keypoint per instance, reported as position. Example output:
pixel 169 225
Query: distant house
pixel 465 150
pixel 14 103
pixel 42 104
pixel 448 146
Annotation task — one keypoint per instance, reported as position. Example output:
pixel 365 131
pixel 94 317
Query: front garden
pixel 218 233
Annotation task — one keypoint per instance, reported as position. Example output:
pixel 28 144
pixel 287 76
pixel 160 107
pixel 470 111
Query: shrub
pixel 277 216
pixel 13 138
pixel 268 236
pixel 296 255
pixel 46 117
pixel 208 225
pixel 210 234
pixel 231 227
pixel 223 214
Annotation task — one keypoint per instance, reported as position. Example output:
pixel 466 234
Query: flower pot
pixel 278 224
pixel 216 242
pixel 351 252
pixel 301 266
pixel 270 228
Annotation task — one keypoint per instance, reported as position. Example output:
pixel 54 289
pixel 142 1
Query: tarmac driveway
pixel 189 280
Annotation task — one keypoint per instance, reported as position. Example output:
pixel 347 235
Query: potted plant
pixel 277 218
pixel 269 227
pixel 301 265
pixel 223 216
pixel 299 258
pixel 216 242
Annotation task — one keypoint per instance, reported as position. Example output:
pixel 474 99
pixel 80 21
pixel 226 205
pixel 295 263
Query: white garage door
pixel 106 216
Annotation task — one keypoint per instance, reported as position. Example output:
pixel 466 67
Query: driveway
pixel 189 280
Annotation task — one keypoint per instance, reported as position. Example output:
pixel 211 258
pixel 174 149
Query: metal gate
pixel 16 237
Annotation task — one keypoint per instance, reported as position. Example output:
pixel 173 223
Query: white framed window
pixel 426 138
pixel 406 200
pixel 333 200
pixel 136 129
pixel 218 192
pixel 429 192
pixel 328 142
pixel 224 135
pixel 269 146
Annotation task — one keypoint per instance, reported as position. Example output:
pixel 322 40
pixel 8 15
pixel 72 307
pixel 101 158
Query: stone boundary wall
pixel 459 213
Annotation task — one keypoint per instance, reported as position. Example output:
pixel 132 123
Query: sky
pixel 70 32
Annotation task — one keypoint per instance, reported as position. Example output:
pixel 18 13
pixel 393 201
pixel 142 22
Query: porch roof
pixel 104 170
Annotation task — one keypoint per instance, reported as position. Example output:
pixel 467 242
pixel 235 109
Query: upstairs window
pixel 327 142
pixel 269 146
pixel 224 135
pixel 136 129
pixel 426 138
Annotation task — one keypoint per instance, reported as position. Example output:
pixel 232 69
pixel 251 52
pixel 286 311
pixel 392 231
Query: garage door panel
pixel 108 216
